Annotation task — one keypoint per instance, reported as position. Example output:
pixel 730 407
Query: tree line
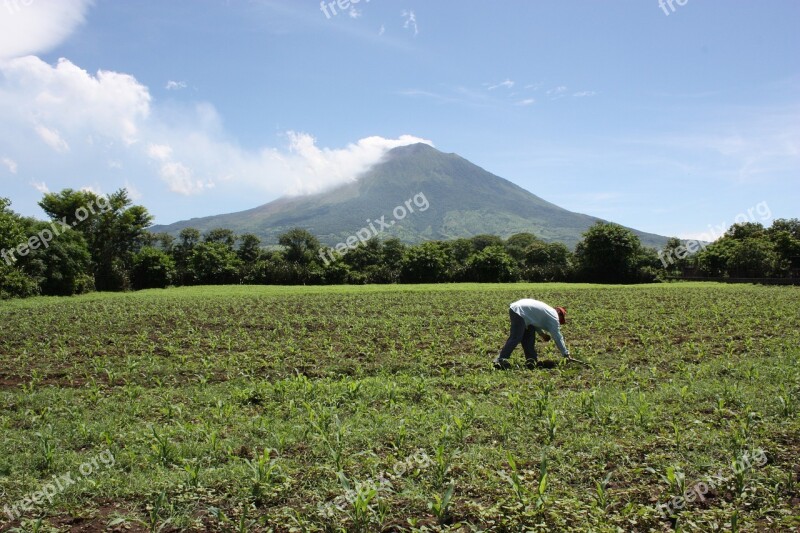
pixel 111 249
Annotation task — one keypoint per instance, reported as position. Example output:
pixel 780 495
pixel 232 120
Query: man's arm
pixel 559 338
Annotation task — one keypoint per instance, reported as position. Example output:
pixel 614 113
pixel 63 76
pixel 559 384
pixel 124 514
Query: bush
pixel 491 265
pixel 14 283
pixel 152 269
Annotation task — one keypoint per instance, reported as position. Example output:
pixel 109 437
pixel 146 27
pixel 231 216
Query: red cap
pixel 562 315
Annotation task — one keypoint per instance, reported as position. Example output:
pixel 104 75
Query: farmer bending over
pixel 529 317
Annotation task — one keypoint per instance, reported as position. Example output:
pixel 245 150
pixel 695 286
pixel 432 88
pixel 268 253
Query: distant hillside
pixel 464 200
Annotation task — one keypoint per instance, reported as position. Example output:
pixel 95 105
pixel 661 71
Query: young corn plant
pixel 601 497
pixel 515 400
pixel 739 477
pixel 676 480
pixel 192 469
pixel 589 403
pixel 542 402
pixel 360 497
pixel 160 505
pixel 525 497
pixel 677 435
pixel 441 504
pixel 551 424
pixel 514 479
pixel 441 464
pixel 541 487
pixel 642 411
pixel 263 471
pixel 48 451
pixel 735 521
pixel 163 450
pixel 786 403
pixel 460 427
pixel 331 437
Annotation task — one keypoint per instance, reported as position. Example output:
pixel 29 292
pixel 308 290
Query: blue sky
pixel 670 120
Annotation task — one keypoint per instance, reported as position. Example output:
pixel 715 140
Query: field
pixel 375 409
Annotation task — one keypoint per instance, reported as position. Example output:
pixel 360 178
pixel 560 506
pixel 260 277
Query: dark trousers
pixel 519 334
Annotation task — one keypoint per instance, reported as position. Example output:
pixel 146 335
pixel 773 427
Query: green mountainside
pixel 462 200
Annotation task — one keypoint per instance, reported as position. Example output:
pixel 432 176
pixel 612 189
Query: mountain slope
pixel 463 200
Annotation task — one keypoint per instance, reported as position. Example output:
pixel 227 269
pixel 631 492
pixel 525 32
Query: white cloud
pixel 526 102
pixel 757 144
pixel 177 175
pixel 354 13
pixel 707 236
pixel 159 152
pixel 317 168
pixel 555 91
pixel 583 94
pixel 410 22
pixel 133 192
pixel 93 190
pixel 180 179
pixel 175 85
pixel 52 138
pixel 382 30
pixel 37 26
pixel 508 84
pixel 40 186
pixel 10 164
pixel 69 99
pixel 109 120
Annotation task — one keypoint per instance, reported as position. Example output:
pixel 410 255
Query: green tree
pixel 188 238
pixel 460 250
pixel 114 230
pixel 249 252
pixel 392 259
pixel 749 250
pixel 214 263
pixel 222 236
pixel 547 262
pixel 785 235
pixel 491 265
pixel 365 255
pixel 424 263
pixel 152 269
pixel 745 230
pixel 336 272
pixel 715 258
pixel 517 244
pixel 673 257
pixel 754 257
pixel 249 248
pixel 300 246
pixel 479 242
pixel 14 282
pixel 608 254
pixel 64 266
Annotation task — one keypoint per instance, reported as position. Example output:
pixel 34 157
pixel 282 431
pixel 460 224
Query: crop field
pixel 376 409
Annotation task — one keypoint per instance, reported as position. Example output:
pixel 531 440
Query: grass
pixel 374 408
